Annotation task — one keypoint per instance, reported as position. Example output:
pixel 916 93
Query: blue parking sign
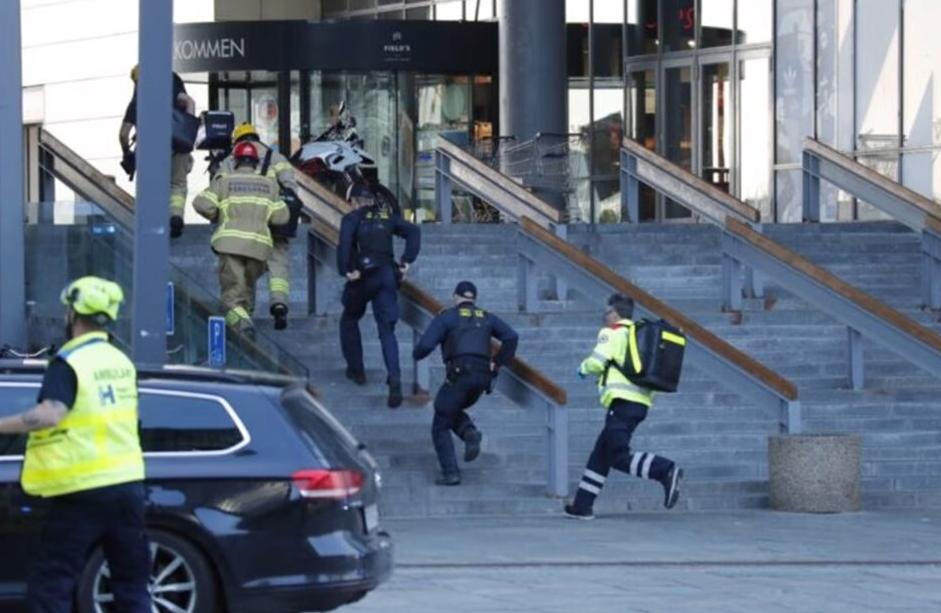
pixel 216 339
pixel 171 318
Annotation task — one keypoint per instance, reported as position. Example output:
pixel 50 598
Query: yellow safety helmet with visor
pixel 244 130
pixel 94 297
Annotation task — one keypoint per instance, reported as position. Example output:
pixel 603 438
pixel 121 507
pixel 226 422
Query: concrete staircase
pixel 718 437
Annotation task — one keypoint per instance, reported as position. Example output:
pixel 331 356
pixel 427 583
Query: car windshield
pixel 323 434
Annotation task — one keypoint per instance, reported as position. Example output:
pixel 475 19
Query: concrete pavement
pixel 743 561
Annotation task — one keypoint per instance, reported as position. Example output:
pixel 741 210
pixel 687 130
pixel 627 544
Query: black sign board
pixel 421 46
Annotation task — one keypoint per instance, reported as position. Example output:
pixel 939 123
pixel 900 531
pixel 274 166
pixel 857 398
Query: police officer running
pixel 627 406
pixel 181 164
pixel 366 258
pixel 278 167
pixel 243 204
pixel 464 333
pixel 84 455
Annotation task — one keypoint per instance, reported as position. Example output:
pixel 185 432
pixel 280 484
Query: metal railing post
pixel 443 186
pixel 930 269
pixel 811 186
pixel 855 354
pixel 558 450
pixel 791 412
pixel 630 187
pixel 525 284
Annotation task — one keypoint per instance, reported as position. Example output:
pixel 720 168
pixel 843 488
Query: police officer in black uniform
pixel 464 333
pixel 366 258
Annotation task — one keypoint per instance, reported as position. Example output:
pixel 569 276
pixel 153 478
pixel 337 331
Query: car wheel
pixel 180 579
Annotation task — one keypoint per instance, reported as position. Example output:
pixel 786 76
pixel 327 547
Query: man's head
pixel 360 195
pixel 465 291
pixel 245 154
pixel 91 304
pixel 618 307
pixel 245 132
pixel 135 72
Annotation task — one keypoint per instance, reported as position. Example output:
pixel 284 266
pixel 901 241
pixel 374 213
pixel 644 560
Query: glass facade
pixel 699 92
pixel 444 10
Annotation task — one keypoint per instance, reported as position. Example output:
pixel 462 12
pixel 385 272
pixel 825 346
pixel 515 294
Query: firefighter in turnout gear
pixel 279 168
pixel 366 258
pixel 627 405
pixel 84 456
pixel 242 204
pixel 464 332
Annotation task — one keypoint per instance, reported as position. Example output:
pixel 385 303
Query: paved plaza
pixel 753 561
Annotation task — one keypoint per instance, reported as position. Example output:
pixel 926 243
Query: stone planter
pixel 815 473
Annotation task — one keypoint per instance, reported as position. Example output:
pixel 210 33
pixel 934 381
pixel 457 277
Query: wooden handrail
pixel 928 206
pixel 517 365
pixel 734 206
pixel 841 287
pixel 64 153
pixel 542 208
pixel 770 378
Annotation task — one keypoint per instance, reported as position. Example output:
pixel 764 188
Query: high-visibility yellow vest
pixel 613 344
pixel 97 443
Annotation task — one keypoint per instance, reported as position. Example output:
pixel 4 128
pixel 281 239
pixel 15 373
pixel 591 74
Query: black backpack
pixel 290 198
pixel 654 356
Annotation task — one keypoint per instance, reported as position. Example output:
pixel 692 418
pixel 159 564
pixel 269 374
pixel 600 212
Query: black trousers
pixel 455 396
pixel 381 288
pixel 613 450
pixel 112 517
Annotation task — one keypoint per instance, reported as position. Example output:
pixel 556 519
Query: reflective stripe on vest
pixel 96 444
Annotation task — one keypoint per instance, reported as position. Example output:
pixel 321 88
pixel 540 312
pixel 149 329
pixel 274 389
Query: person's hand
pixel 493 366
pixel 581 375
pixel 353 276
pixel 403 268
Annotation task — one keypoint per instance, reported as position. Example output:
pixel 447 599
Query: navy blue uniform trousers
pixel 455 396
pixel 613 450
pixel 380 287
pixel 112 517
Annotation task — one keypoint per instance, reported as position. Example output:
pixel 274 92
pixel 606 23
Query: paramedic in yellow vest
pixel 279 272
pixel 84 455
pixel 627 405
pixel 242 204
pixel 181 164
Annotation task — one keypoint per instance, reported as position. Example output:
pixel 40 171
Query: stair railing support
pixel 558 452
pixel 443 186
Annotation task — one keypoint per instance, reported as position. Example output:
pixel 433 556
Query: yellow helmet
pixel 244 130
pixel 93 296
pixel 134 72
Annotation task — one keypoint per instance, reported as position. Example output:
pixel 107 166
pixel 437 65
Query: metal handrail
pixel 918 212
pixel 520 382
pixel 638 164
pixel 86 180
pixel 728 365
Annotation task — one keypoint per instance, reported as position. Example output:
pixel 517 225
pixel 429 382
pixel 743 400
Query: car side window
pixel 15 399
pixel 179 422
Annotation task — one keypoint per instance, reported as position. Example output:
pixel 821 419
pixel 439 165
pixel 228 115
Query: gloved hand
pixel 581 375
pixel 129 163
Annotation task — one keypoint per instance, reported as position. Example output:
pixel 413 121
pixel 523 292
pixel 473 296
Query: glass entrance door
pixel 676 128
pixel 715 123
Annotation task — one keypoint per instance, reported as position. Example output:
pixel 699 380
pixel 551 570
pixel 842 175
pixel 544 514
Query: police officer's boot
pixel 395 393
pixel 280 313
pixel 472 438
pixel 176 226
pixel 449 479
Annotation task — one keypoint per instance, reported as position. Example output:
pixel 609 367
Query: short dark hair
pixel 622 305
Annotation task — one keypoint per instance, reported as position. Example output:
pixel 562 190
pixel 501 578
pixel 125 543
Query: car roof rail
pixel 171 371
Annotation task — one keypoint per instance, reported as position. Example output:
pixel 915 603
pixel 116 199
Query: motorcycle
pixel 337 159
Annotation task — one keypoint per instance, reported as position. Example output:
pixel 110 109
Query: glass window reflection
pixel 449 11
pixel 642 27
pixel 755 135
pixel 716 20
pixel 678 25
pixel 755 20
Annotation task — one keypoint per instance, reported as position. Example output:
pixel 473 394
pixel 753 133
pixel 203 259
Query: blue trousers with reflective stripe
pixel 613 450
pixel 112 517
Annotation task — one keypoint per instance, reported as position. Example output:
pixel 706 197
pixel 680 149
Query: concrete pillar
pixel 151 227
pixel 815 473
pixel 533 83
pixel 12 195
pixel 532 67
